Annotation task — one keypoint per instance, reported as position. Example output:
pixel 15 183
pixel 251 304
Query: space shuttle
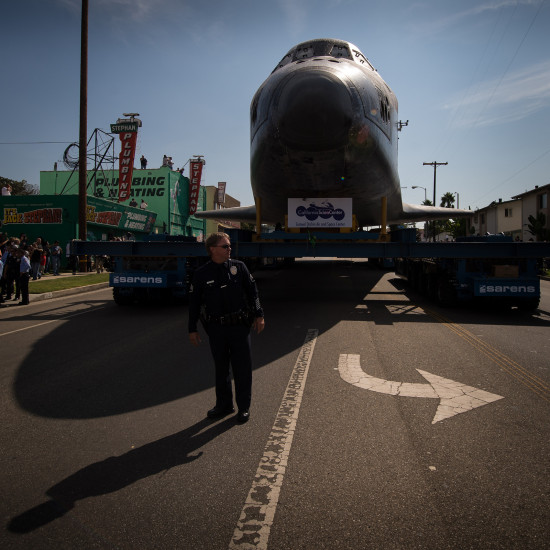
pixel 324 125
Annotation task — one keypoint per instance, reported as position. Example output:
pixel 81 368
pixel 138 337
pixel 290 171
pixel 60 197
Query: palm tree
pixel 448 200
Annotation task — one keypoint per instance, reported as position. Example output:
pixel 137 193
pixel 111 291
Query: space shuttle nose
pixel 314 112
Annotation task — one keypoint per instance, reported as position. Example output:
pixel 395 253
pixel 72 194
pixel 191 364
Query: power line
pixel 31 142
pixel 513 58
pixel 512 176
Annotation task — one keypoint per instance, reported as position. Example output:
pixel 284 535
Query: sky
pixel 472 79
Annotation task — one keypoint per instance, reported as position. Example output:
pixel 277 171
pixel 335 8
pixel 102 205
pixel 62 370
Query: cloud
pixel 513 98
pixel 124 10
pixel 437 25
pixel 497 5
pixel 295 13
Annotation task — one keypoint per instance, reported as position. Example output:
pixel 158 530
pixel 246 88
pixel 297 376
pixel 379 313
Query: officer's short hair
pixel 214 239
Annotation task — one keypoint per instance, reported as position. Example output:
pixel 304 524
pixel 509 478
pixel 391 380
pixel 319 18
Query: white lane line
pixel 48 322
pixel 256 519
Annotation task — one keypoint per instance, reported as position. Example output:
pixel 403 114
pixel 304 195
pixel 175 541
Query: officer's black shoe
pixel 243 416
pixel 219 412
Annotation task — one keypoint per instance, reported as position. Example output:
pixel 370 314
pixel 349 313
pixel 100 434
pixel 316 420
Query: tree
pixel 19 187
pixel 428 226
pixel 446 226
pixel 537 227
pixel 448 200
pixel 458 227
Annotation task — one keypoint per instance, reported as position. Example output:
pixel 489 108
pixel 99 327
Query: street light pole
pixel 420 187
pixel 435 165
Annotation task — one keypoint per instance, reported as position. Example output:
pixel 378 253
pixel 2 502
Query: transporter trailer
pixel 501 281
pixel 492 268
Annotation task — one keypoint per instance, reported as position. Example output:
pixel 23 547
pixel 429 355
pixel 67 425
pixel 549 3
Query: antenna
pixel 400 125
pixel 132 118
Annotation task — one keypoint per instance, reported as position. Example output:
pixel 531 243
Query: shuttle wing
pixel 236 214
pixel 419 212
pixel 410 213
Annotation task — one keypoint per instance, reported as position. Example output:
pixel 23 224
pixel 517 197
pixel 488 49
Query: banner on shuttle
pixel 320 212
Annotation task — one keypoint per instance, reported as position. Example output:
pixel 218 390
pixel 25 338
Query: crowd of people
pixel 21 261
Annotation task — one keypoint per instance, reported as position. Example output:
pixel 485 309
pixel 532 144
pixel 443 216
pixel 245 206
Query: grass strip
pixel 51 284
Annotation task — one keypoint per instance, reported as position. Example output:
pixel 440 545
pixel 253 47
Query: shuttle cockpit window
pixel 361 59
pixel 324 48
pixel 303 52
pixel 284 61
pixel 339 51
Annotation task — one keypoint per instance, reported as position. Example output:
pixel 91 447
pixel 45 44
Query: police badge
pixel 233 270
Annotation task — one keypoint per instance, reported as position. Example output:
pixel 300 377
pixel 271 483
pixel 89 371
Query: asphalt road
pixel 104 442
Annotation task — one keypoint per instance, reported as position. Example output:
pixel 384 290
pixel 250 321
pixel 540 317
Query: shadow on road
pixel 117 472
pixel 114 360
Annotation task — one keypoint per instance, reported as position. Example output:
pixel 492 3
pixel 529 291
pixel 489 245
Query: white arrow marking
pixel 455 397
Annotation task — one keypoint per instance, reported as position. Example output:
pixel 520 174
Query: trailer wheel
pixel 446 295
pixel 431 286
pixel 122 297
pixel 529 304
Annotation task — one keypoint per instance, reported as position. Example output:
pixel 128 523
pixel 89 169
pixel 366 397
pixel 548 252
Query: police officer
pixel 225 298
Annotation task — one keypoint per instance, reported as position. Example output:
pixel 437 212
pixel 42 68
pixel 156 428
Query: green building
pixel 55 218
pixel 162 191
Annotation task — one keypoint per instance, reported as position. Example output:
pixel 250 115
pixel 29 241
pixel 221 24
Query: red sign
pixel 221 192
pixel 126 164
pixel 194 185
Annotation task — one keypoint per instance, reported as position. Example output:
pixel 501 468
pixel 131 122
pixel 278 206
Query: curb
pixel 66 292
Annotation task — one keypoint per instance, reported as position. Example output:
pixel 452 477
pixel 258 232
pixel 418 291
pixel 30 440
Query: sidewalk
pixel 58 293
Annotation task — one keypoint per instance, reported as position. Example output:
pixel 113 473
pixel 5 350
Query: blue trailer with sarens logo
pixel 492 269
pixel 503 281
pixel 155 274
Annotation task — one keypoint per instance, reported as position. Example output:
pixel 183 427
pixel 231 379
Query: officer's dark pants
pixel 230 345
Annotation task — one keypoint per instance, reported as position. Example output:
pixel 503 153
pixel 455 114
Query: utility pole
pixel 435 165
pixel 82 144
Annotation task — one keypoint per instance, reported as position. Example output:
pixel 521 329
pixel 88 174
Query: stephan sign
pixel 124 127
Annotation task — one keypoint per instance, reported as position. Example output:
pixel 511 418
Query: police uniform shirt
pixel 222 288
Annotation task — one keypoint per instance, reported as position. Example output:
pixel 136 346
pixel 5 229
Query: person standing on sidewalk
pixel 24 276
pixel 55 253
pixel 36 256
pixel 11 272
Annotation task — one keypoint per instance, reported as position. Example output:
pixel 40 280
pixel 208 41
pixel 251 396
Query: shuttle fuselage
pixel 324 125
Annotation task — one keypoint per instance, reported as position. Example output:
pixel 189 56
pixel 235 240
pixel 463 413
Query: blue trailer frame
pixel 162 266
